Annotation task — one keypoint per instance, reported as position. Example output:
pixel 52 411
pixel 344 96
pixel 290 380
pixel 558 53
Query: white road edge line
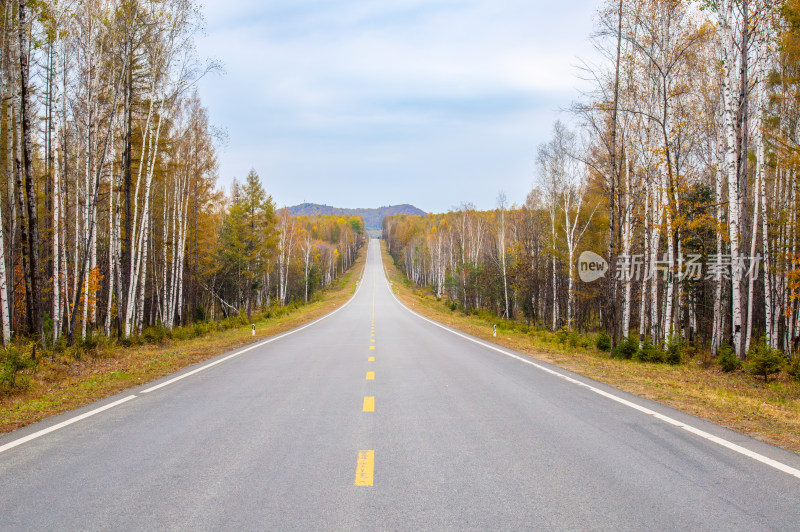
pixel 58 426
pixel 63 424
pixel 257 345
pixel 780 466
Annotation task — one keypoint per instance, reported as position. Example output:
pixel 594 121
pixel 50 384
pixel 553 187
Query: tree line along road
pixel 374 418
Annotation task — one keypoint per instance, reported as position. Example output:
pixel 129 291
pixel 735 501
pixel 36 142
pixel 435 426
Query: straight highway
pixel 374 418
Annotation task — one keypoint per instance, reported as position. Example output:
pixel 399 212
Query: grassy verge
pixel 62 382
pixel 769 411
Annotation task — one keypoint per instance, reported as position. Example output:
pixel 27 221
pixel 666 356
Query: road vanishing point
pixel 375 418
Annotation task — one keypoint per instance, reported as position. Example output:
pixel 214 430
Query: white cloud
pixel 361 102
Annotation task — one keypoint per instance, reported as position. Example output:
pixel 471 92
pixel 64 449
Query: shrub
pixel 727 360
pixel 181 333
pixel 794 368
pixel 133 339
pixel 649 352
pixel 88 343
pixel 199 329
pixel 603 341
pixel 12 362
pixel 764 360
pixel 575 339
pixel 156 335
pixel 674 352
pixel 625 349
pixel 562 335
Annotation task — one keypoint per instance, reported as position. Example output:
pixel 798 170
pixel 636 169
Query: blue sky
pixel 360 103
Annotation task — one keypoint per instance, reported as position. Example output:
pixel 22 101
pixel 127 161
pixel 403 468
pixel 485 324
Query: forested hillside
pixel 681 172
pixel 111 216
pixel 372 217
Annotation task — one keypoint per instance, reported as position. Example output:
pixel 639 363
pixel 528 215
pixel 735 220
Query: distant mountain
pixel 372 217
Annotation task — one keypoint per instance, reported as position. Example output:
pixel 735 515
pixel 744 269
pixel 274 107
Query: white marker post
pixel 494 330
pixel 254 329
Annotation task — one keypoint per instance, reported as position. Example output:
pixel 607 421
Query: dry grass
pixel 766 411
pixel 62 383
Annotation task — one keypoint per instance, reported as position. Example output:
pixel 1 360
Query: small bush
pixel 794 368
pixel 562 335
pixel 674 352
pixel 649 352
pixel 181 333
pixel 764 360
pixel 727 359
pixel 199 329
pixel 626 348
pixel 575 339
pixel 131 340
pixel 603 341
pixel 156 335
pixel 87 343
pixel 12 362
pixel 48 325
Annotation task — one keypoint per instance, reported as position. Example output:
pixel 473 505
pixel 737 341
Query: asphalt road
pixel 461 437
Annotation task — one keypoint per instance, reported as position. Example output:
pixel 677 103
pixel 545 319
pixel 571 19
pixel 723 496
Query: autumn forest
pixel 678 166
pixel 112 220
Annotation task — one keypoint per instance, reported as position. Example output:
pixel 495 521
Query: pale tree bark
pixel 181 250
pixel 24 226
pixel 627 240
pixel 501 248
pixel 9 63
pixel 307 246
pixel 733 221
pixel 4 309
pixel 135 238
pixel 286 233
pixel 93 195
pixel 56 249
pixel 657 198
pixel 551 182
pixel 646 249
pixel 716 333
pixel 56 199
pixel 113 243
pixel 30 188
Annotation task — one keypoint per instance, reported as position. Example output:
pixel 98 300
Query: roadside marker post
pixel 254 329
pixel 494 330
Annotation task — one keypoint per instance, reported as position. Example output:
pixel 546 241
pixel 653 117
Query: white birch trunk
pixel 716 334
pixel 734 199
pixel 655 237
pixel 645 243
pixel 56 250
pixel 670 281
pixel 4 308
pixel 627 231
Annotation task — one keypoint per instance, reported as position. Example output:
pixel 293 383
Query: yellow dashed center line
pixel 369 404
pixel 365 468
pixel 366 459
